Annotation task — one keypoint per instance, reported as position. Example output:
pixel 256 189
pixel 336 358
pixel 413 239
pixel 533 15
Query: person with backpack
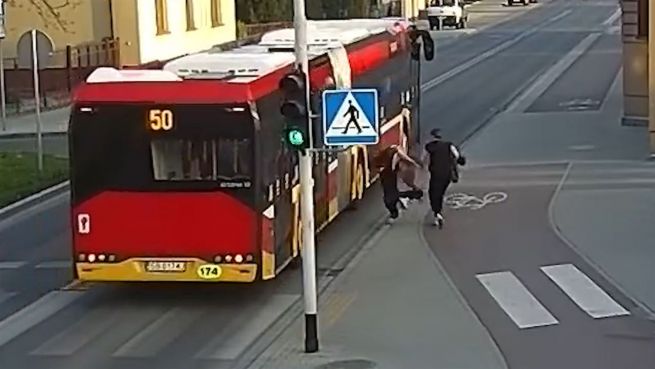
pixel 393 163
pixel 443 159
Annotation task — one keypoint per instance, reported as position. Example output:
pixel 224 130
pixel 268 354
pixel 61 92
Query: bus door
pixel 284 209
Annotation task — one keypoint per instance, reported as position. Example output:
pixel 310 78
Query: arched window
pixel 44 49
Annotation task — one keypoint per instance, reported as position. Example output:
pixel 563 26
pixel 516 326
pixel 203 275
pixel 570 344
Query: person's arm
pixel 395 159
pixel 459 159
pixel 402 155
pixel 455 152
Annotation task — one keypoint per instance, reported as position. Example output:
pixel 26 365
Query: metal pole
pixel 3 97
pixel 37 102
pixel 308 251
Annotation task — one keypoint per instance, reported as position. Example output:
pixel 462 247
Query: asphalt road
pixel 474 76
pixel 543 304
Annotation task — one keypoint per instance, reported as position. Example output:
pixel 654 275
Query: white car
pixel 447 13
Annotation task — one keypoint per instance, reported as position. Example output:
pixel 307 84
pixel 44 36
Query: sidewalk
pixel 394 309
pixel 53 122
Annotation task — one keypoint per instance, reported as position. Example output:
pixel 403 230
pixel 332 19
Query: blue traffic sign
pixel 350 117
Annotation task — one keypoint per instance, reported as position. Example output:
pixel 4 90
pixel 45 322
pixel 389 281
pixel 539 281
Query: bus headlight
pixel 217 259
pixel 228 258
pixel 92 258
pixel 249 257
pixel 238 258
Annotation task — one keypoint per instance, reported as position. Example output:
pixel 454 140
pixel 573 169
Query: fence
pixel 250 30
pixel 58 75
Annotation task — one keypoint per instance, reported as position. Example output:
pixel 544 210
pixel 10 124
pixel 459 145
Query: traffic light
pixel 294 109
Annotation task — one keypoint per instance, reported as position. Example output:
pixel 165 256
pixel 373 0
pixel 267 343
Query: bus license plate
pixel 166 266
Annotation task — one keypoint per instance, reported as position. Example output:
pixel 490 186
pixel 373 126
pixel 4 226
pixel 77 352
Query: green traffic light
pixel 296 137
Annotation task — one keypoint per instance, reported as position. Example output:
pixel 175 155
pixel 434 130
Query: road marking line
pixel 221 348
pixel 489 53
pixel 583 291
pixel 530 95
pixel 4 295
pixel 54 264
pixel 26 200
pixel 517 302
pixel 613 17
pixel 35 313
pixel 11 264
pixel 160 333
pixel 68 342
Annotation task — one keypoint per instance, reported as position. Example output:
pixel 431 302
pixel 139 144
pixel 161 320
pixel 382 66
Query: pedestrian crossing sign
pixel 350 117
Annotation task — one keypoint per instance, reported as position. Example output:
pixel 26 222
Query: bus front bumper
pixel 195 270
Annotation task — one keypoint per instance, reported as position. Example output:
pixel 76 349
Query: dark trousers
pixel 391 196
pixel 438 187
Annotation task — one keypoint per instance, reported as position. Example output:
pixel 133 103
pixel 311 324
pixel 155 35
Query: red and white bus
pixel 181 174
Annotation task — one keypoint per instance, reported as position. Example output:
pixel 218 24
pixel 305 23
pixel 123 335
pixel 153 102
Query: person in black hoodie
pixel 443 159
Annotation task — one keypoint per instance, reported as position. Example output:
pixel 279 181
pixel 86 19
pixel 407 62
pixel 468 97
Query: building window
pixel 217 17
pixel 161 13
pixel 190 21
pixel 642 18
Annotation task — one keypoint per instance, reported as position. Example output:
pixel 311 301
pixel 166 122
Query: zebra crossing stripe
pixel 517 302
pixel 583 291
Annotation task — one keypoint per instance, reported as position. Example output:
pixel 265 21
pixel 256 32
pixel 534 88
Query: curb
pixel 30 201
pixel 30 135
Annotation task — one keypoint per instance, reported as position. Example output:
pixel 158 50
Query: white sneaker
pixel 438 221
pixel 404 203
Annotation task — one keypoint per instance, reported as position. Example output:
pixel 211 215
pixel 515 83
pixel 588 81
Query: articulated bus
pixel 181 174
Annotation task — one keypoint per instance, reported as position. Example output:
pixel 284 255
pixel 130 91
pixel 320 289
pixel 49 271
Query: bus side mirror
pixel 428 46
pixel 426 41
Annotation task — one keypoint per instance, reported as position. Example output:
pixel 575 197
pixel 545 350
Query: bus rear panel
pixel 164 192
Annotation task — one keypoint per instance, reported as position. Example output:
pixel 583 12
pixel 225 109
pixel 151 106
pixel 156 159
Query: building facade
pixel 638 67
pixel 65 23
pixel 149 30
pixel 165 29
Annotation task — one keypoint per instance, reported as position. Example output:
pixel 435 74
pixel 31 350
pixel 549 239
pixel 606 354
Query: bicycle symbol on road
pixel 464 200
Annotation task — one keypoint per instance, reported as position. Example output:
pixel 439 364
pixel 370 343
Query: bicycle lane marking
pixel 462 200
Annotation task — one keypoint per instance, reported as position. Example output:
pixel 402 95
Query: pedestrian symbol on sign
pixel 350 117
pixel 354 115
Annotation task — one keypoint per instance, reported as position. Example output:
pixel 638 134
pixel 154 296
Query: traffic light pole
pixel 308 250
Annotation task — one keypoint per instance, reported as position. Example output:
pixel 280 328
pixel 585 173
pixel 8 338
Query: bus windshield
pixel 134 147
pixel 202 159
